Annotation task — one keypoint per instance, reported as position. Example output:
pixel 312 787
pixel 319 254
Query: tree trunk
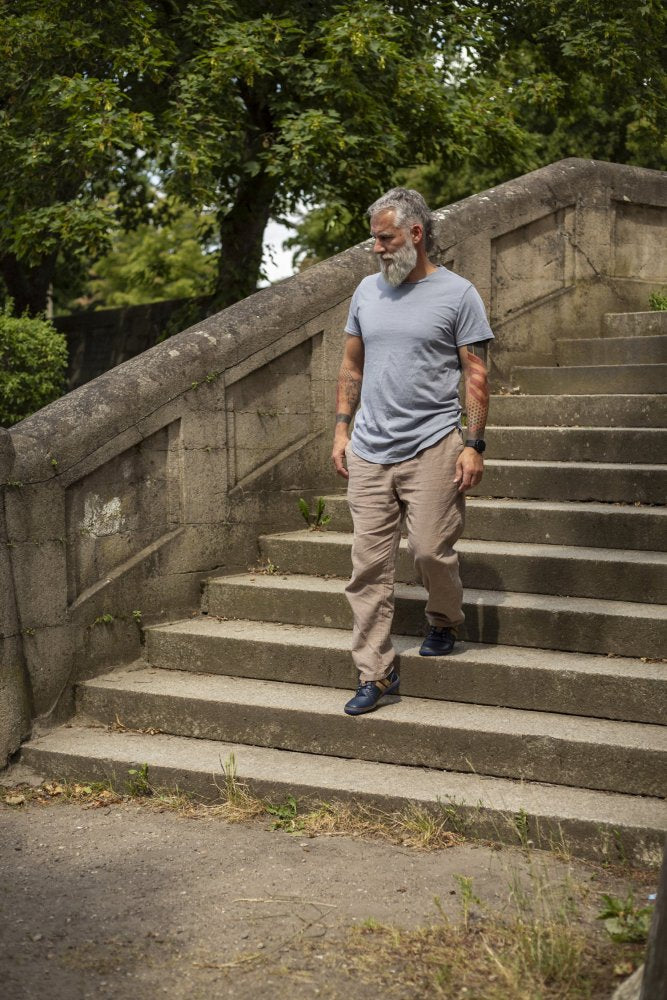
pixel 27 286
pixel 241 241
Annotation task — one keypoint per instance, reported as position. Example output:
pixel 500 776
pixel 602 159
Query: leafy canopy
pixel 246 109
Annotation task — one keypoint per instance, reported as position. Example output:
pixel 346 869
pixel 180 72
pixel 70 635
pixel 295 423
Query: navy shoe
pixel 369 694
pixel 438 642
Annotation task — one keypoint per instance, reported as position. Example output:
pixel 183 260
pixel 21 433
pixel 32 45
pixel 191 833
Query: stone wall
pixel 128 492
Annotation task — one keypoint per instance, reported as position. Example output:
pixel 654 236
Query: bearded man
pixel 411 330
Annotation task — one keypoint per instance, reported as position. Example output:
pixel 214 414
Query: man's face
pixel 394 247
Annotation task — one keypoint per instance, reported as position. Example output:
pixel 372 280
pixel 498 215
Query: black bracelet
pixel 343 418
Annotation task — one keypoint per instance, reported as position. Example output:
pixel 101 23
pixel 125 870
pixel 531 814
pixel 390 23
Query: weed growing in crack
pixel 138 785
pixel 316 519
pixel 286 816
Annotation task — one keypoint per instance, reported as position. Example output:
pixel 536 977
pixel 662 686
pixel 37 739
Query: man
pixel 411 330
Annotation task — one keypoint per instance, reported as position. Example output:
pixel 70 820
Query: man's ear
pixel 416 233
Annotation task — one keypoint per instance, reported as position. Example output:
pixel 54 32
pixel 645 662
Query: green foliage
pixel 77 86
pixel 162 260
pixel 540 80
pixel 317 519
pixel 658 301
pixel 138 785
pixel 33 363
pixel 286 815
pixel 624 920
pixel 247 110
pixel 104 619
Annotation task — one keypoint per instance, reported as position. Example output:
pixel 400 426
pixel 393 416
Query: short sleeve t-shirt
pixel 411 335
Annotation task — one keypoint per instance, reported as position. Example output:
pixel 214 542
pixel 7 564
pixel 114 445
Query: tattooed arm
pixel 470 465
pixel 348 394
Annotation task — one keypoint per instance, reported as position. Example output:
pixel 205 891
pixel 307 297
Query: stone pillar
pixel 14 687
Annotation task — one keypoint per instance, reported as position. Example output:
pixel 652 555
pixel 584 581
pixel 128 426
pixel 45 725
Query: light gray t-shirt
pixel 410 389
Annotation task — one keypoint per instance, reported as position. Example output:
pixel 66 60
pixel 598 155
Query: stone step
pixel 603 826
pixel 601 525
pixel 619 410
pixel 637 350
pixel 576 624
pixel 605 687
pixel 499 742
pixel 634 324
pixel 607 482
pixel 628 445
pixel 564 570
pixel 585 379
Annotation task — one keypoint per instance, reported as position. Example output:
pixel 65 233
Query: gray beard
pixel 396 270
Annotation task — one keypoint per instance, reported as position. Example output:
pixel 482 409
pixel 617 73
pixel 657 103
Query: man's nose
pixel 378 247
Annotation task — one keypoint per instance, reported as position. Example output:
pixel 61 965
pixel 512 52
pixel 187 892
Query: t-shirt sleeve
pixel 352 326
pixel 471 322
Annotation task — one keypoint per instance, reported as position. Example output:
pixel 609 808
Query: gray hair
pixel 410 208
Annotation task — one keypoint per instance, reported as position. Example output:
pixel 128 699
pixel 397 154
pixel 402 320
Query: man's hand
pixel 338 454
pixel 469 469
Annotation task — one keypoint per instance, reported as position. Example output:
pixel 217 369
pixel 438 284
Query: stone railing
pixel 123 496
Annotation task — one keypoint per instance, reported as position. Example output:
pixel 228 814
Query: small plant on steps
pixel 317 519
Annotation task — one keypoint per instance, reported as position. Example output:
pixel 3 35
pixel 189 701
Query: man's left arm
pixel 470 464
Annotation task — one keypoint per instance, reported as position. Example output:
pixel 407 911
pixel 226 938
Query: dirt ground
pixel 127 902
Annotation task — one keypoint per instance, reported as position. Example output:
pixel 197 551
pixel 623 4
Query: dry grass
pixel 493 959
pixel 538 947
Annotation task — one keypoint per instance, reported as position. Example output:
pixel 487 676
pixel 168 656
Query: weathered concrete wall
pixel 14 683
pixel 136 486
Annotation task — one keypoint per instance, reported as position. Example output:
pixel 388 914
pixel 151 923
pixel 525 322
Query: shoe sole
pixel 446 653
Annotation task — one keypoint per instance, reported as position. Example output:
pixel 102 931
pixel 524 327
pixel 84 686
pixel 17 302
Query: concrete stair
pixel 584 380
pixel 613 351
pixel 549 720
pixel 566 570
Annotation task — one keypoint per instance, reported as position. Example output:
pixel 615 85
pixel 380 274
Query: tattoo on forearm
pixel 477 394
pixel 348 391
pixel 343 418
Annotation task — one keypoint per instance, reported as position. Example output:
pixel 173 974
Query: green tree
pixel 163 260
pixel 33 362
pixel 585 79
pixel 302 101
pixel 78 86
pixel 247 109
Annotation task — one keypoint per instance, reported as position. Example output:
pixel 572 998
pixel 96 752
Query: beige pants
pixel 422 491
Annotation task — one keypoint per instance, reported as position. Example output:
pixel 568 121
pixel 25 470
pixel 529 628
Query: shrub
pixel 33 362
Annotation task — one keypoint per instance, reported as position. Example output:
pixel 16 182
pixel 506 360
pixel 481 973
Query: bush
pixel 33 362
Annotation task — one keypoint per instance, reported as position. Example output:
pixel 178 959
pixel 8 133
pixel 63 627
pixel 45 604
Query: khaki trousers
pixel 420 491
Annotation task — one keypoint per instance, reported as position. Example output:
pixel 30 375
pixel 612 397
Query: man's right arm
pixel 348 394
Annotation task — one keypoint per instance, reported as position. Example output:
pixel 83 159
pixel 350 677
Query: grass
pixel 537 945
pixel 495 958
pixel 417 827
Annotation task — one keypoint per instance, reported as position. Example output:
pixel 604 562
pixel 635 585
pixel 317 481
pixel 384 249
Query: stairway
pixel 549 721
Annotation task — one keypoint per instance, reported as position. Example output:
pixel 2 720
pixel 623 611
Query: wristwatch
pixel 477 443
